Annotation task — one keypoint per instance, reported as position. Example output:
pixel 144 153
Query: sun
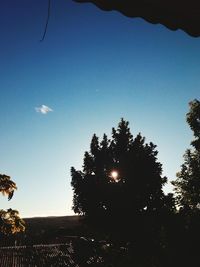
pixel 115 175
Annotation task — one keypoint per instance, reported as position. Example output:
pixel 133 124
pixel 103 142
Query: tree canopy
pixel 187 184
pixel 10 221
pixel 7 186
pixel 120 176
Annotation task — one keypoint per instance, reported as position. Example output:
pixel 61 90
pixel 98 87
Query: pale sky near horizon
pixel 93 68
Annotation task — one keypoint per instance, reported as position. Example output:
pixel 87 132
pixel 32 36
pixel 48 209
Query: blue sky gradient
pixel 93 68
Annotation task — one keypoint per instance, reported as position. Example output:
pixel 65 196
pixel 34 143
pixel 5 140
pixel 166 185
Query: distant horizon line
pixel 49 216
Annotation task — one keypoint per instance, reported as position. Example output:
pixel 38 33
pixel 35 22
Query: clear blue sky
pixel 93 68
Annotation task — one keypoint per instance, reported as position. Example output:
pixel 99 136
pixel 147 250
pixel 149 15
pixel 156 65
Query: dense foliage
pixel 10 221
pixel 119 176
pixel 187 184
pixel 120 189
pixel 120 192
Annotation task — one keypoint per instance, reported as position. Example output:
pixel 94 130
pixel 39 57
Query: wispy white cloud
pixel 43 109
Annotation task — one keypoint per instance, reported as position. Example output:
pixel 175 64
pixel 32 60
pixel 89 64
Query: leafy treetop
pixel 119 176
pixel 187 184
pixel 10 221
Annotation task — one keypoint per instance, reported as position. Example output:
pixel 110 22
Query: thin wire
pixel 47 21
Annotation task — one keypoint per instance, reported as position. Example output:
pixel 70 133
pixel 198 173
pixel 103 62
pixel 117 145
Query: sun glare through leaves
pixel 115 175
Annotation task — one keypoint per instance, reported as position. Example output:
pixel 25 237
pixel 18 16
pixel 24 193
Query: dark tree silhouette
pixel 187 184
pixel 187 189
pixel 10 221
pixel 120 192
pixel 121 178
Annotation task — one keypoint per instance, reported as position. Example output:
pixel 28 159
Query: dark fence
pixel 73 252
pixel 37 256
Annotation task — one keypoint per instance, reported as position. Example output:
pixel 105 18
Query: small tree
pixel 187 184
pixel 10 221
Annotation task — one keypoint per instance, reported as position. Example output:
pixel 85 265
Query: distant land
pixel 47 229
